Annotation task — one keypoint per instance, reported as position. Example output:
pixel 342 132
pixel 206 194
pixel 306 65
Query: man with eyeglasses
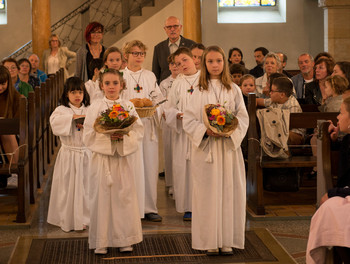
pixel 163 49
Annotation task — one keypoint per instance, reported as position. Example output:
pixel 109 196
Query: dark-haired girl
pixel 69 200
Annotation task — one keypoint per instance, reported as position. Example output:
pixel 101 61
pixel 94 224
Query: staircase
pixel 117 16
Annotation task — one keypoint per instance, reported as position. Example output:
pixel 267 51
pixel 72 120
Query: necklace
pixel 138 88
pixel 95 52
pixel 191 85
pixel 216 96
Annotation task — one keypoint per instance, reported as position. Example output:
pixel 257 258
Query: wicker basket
pixel 147 111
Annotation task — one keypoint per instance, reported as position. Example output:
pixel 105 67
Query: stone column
pixel 336 28
pixel 192 26
pixel 41 26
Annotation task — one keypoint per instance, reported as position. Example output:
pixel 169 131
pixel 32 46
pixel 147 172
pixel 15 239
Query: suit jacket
pixel 298 81
pixel 161 53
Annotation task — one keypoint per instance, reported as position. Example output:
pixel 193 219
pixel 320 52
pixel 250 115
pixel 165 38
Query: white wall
pixel 303 32
pixel 151 32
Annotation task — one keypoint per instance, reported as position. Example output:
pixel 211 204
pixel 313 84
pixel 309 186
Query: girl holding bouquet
pixel 114 214
pixel 219 187
pixel 69 201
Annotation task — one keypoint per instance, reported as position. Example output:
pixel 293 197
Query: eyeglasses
pixel 135 54
pixel 275 91
pixel 172 26
pixel 96 32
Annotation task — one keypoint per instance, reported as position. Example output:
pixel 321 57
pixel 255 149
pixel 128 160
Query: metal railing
pixel 109 13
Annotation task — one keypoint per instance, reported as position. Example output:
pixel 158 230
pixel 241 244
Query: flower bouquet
pixel 219 119
pixel 115 120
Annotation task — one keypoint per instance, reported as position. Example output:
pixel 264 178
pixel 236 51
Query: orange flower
pixel 221 120
pixel 123 115
pixel 215 112
pixel 113 114
pixel 116 107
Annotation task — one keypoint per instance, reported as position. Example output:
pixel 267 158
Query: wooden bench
pixel 18 127
pixel 256 162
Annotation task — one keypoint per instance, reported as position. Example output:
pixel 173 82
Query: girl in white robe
pixel 180 95
pixel 69 201
pixel 141 83
pixel 219 186
pixel 114 213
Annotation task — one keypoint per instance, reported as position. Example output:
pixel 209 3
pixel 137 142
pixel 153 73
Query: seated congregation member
pixel 236 71
pixel 342 68
pixel 283 58
pixel 335 87
pixel 114 213
pixel 325 55
pixel 34 62
pixel 93 86
pixel 197 52
pixel 57 57
pixel 13 67
pixel 9 105
pixel 315 90
pixel 235 56
pixel 180 95
pixel 271 64
pixel 247 84
pixel 165 88
pixel 219 182
pixel 24 73
pixel 141 83
pixel 306 75
pixel 259 55
pixel 281 96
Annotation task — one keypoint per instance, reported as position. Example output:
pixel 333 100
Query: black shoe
pixel 153 217
pixel 162 174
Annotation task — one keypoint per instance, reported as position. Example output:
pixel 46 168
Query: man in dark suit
pixel 259 55
pixel 163 49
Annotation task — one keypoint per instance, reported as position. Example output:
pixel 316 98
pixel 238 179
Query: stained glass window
pixel 227 3
pixel 2 4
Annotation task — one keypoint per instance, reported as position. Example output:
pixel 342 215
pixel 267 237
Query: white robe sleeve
pixel 192 123
pixel 243 119
pixel 131 142
pixel 96 142
pixel 61 121
pixel 171 110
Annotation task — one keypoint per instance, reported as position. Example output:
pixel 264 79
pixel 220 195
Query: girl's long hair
pixel 9 92
pixel 204 77
pixel 74 84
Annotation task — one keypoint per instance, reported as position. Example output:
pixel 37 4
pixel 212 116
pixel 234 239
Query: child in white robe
pixel 179 97
pixel 69 200
pixel 114 214
pixel 165 87
pixel 141 83
pixel 219 181
pixel 93 86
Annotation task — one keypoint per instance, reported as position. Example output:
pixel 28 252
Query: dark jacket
pixel 161 53
pixel 313 93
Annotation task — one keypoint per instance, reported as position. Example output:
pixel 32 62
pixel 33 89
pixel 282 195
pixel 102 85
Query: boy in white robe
pixel 165 87
pixel 179 97
pixel 219 186
pixel 114 215
pixel 141 83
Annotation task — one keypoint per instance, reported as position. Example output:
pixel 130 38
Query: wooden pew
pixel 44 126
pixel 257 162
pixel 39 138
pixel 18 127
pixel 32 147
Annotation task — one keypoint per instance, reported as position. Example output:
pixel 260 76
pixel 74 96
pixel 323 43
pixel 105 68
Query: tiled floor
pixel 291 234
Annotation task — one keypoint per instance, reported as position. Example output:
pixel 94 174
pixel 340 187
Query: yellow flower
pixel 221 120
pixel 215 112
pixel 113 114
pixel 124 114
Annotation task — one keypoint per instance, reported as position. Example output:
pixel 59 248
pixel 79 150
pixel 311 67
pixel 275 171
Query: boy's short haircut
pixel 236 69
pixel 283 85
pixel 245 77
pixel 129 45
pixel 183 50
pixel 263 50
pixel 197 46
pixel 95 63
pixel 171 58
pixel 274 76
